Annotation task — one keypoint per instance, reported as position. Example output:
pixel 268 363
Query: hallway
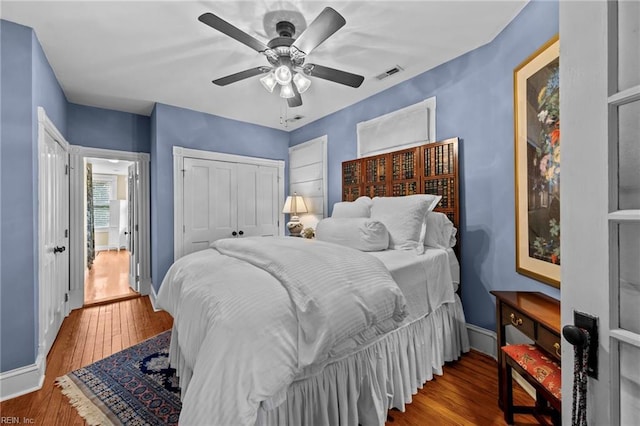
pixel 108 279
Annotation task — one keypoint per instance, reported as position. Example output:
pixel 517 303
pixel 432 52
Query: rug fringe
pixel 86 409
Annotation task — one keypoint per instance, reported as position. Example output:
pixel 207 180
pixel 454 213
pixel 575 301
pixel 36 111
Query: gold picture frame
pixel 536 89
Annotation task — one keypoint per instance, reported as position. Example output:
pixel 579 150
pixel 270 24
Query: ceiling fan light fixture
pixel 301 82
pixel 283 75
pixel 269 82
pixel 286 91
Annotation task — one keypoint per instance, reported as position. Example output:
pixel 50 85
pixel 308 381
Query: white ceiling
pixel 127 55
pixel 107 167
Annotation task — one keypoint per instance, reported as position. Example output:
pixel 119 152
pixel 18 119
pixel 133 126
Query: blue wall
pixel 27 82
pixel 474 96
pixel 108 129
pixel 474 102
pixel 173 126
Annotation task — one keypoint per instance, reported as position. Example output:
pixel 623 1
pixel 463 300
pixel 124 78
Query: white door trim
pixel 78 155
pixel 180 153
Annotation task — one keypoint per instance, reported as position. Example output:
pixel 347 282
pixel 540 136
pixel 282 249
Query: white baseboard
pixel 145 287
pixel 22 380
pixel 485 341
pixel 482 340
pixel 108 248
pixel 152 297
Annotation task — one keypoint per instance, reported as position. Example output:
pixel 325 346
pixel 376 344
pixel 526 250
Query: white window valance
pixel 403 128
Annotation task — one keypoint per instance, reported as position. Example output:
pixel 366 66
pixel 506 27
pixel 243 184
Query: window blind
pixel 103 192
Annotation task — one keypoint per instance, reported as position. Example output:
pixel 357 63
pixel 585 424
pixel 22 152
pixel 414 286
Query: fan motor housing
pixel 280 42
pixel 285 29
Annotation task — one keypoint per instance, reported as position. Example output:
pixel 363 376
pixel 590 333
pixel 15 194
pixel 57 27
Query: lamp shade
pixel 294 205
pixel 301 82
pixel 282 75
pixel 286 91
pixel 269 82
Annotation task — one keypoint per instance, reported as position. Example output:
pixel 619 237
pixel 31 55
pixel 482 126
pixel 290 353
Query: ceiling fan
pixel 286 55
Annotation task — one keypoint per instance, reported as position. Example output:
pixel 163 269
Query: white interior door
pixel 132 225
pixel 600 215
pixel 54 213
pixel 210 202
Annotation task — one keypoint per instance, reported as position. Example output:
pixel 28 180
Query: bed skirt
pixel 362 387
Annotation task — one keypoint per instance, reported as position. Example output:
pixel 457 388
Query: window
pixel 410 126
pixel 104 190
pixel 308 177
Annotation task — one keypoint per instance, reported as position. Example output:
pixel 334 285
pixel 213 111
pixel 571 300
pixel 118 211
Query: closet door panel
pixel 210 202
pixel 267 201
pixel 247 200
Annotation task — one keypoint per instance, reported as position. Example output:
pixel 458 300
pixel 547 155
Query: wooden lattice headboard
pixel 426 169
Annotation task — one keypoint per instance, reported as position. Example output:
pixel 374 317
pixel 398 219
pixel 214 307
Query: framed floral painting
pixel 537 164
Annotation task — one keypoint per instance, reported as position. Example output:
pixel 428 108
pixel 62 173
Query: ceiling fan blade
pixel 240 76
pixel 296 101
pixel 332 74
pixel 328 22
pixel 224 27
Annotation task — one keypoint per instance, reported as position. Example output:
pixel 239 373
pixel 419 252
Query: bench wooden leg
pixel 507 392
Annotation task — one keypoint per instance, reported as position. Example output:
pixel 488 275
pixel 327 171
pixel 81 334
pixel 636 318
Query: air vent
pixel 294 118
pixel 390 72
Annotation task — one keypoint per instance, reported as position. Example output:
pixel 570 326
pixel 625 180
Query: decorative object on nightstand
pixel 294 205
pixel 308 233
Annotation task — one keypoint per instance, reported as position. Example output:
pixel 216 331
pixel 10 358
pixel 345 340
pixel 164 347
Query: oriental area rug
pixel 135 386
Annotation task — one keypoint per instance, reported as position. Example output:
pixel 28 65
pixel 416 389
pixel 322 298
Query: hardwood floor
pixel 108 279
pixel 86 335
pixel 465 395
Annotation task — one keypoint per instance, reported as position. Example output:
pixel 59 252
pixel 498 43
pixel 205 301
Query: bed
pixel 288 331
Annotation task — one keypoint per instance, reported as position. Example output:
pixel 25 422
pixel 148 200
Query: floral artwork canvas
pixel 537 148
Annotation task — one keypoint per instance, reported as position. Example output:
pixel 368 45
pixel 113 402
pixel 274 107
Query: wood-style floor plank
pixel 108 278
pixel 466 394
pixel 78 345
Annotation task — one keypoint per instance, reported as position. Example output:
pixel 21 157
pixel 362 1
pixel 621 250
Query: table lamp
pixel 294 205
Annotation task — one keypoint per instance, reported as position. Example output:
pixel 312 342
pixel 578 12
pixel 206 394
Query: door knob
pixel 241 233
pixel 59 249
pixel 234 233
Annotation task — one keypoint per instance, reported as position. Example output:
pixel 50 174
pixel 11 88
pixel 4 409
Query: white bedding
pixel 245 335
pixel 425 279
pixel 361 384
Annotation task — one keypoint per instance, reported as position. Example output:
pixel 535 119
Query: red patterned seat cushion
pixel 541 367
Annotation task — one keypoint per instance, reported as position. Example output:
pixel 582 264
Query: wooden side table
pixel 534 314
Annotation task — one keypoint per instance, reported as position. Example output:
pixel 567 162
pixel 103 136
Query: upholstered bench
pixel 542 372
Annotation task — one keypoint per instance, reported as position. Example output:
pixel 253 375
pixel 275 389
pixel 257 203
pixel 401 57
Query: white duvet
pixel 250 314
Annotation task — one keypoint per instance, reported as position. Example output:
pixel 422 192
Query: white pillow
pixel 405 219
pixel 350 209
pixel 440 231
pixel 359 233
pixel 364 199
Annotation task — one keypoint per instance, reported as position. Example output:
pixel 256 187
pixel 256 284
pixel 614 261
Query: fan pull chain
pixel 581 359
pixel 283 115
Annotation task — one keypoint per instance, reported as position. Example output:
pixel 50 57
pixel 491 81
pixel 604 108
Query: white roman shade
pixel 412 125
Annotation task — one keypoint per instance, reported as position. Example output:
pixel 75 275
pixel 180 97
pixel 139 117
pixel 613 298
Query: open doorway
pixel 109 218
pixel 139 239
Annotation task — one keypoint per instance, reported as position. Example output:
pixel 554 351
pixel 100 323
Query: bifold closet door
pixel 257 200
pixel 210 202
